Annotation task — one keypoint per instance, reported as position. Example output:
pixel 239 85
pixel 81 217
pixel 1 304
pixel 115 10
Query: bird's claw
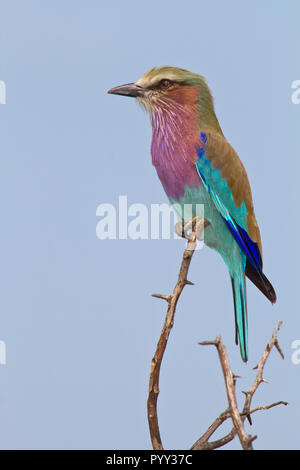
pixel 192 228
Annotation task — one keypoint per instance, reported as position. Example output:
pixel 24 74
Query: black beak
pixel 130 89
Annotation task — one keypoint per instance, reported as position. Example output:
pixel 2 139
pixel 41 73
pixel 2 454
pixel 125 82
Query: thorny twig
pixel 193 230
pixel 202 443
pixel 168 324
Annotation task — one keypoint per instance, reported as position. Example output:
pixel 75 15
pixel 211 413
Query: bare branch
pixel 193 230
pixel 245 439
pixel 265 407
pixel 161 296
pixel 168 324
pixel 260 368
pixel 202 443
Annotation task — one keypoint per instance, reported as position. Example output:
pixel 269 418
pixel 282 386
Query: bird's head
pixel 172 89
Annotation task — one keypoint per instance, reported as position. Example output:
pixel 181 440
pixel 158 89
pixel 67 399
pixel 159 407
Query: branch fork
pixel 193 231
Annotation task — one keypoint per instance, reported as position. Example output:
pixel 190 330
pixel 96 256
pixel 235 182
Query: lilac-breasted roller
pixel 197 165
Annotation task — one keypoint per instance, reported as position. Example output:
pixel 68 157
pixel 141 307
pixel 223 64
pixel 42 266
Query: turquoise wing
pixel 234 217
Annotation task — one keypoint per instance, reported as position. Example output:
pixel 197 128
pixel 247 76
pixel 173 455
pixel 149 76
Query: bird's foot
pixel 192 229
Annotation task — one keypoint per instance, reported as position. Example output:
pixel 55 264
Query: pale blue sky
pixel 77 315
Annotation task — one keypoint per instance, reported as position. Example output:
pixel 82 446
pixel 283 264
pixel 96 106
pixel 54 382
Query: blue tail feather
pixel 240 310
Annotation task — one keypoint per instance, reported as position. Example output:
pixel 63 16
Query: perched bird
pixel 197 165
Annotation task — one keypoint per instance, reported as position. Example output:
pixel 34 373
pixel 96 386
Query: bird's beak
pixel 130 89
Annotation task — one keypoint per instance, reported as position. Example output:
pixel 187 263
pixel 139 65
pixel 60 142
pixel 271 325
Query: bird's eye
pixel 165 83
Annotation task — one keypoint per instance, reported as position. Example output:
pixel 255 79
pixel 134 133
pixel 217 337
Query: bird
pixel 197 165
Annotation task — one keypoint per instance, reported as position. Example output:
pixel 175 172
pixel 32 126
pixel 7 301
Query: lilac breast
pixel 174 155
